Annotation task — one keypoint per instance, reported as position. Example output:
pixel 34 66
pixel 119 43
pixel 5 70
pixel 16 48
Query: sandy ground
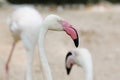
pixel 98 31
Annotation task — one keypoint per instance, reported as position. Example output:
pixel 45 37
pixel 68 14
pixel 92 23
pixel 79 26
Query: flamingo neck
pixel 42 34
pixel 88 72
pixel 45 66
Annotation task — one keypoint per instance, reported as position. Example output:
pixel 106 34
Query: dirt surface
pixel 99 31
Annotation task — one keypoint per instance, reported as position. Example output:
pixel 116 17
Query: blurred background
pixel 98 25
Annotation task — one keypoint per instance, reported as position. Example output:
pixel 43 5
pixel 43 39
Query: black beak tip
pixel 68 71
pixel 76 42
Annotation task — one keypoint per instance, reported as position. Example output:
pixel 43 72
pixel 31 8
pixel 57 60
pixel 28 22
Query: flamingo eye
pixel 59 21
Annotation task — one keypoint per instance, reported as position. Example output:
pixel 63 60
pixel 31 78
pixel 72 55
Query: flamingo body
pixel 25 20
pixel 24 25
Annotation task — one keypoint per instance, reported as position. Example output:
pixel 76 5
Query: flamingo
pixel 27 25
pixel 82 58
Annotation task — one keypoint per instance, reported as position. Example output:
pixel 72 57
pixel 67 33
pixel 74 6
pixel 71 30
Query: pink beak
pixel 72 32
pixel 68 69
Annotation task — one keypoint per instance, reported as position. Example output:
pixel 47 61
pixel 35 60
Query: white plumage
pixel 24 25
pixel 27 25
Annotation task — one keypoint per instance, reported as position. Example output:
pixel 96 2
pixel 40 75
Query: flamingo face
pixel 82 58
pixel 56 23
pixel 71 31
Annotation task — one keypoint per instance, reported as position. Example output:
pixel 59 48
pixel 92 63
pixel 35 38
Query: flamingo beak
pixel 68 69
pixel 71 31
pixel 76 40
pixel 73 34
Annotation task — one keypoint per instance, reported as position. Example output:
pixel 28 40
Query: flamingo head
pixel 57 23
pixel 80 57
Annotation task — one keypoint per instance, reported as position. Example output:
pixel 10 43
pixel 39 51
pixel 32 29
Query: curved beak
pixel 76 40
pixel 72 32
pixel 68 69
